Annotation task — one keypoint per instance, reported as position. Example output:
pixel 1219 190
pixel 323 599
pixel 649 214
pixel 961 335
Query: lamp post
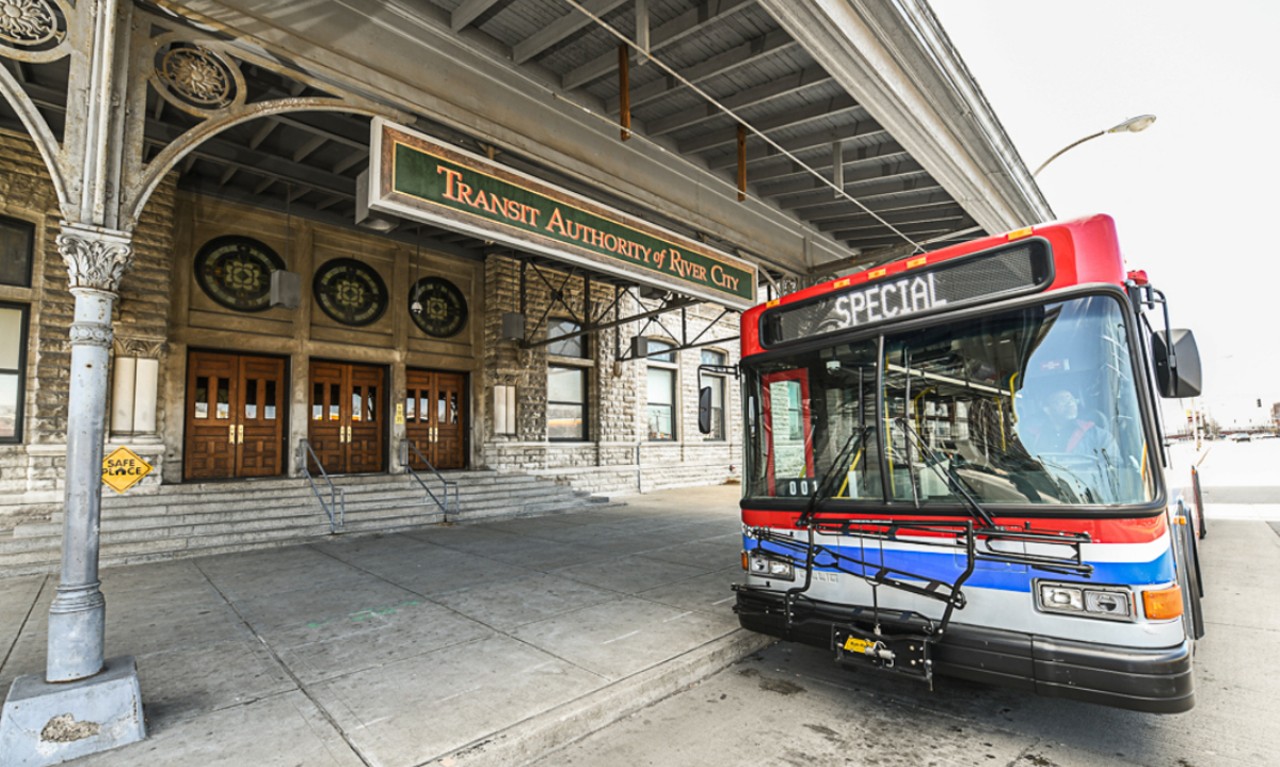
pixel 1132 125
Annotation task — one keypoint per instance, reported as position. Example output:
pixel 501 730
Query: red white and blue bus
pixel 954 466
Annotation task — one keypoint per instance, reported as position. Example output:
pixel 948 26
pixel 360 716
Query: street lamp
pixel 1132 125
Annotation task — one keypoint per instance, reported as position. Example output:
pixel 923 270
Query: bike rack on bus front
pixel 862 638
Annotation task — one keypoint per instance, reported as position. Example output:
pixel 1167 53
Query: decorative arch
pixel 38 32
pixel 38 130
pixel 177 63
pixel 144 183
pixel 201 76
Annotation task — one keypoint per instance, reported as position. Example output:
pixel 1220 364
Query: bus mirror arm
pixel 1175 354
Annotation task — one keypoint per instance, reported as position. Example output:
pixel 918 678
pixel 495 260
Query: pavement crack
pixel 301 686
pixel 26 618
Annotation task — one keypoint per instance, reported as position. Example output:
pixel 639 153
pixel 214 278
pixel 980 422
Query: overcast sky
pixel 1194 196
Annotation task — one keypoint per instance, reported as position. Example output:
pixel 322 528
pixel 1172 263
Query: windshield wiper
pixel 947 473
pixel 829 476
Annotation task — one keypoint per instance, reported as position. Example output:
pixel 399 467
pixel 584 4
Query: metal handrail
pixel 336 508
pixel 447 484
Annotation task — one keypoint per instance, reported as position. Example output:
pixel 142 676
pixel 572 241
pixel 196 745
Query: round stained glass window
pixel 350 291
pixel 236 272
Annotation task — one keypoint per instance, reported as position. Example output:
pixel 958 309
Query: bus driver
pixel 1063 431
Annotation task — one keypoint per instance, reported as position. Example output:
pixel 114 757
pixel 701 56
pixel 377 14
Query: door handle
pixel 240 434
pixel 231 434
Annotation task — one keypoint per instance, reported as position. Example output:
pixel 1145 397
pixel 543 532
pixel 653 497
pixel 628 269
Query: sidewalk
pixel 482 644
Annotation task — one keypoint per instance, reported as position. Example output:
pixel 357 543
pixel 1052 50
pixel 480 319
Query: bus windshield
pixel 1033 406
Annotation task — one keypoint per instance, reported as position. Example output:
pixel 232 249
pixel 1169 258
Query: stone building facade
pixel 165 319
pixel 33 463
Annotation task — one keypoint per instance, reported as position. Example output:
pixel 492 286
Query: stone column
pixel 96 259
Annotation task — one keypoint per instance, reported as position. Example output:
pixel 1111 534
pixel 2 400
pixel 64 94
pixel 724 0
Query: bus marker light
pixel 1163 604
pixel 843 283
pixel 1018 234
pixel 745 566
pixel 920 261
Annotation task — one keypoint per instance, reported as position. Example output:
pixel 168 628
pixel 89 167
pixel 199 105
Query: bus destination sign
pixel 986 276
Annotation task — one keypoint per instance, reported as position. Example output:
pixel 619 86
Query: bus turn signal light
pixel 1163 604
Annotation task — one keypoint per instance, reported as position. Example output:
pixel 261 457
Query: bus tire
pixel 1191 580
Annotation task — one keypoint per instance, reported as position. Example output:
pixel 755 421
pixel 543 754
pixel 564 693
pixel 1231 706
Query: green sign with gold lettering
pixel 421 179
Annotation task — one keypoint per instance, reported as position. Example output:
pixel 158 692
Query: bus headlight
pixel 768 567
pixel 1106 602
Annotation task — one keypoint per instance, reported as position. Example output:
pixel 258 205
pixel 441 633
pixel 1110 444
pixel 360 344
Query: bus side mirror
pixel 1177 360
pixel 704 410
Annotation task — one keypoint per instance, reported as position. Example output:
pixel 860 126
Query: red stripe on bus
pixel 1141 530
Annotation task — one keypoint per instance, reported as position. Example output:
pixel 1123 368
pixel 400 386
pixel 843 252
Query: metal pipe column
pixel 96 259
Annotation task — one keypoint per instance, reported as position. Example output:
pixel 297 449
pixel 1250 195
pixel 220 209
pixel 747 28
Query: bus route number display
pixel 993 274
pixel 795 487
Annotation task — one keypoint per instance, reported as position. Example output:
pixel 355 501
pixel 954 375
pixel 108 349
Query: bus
pixel 954 466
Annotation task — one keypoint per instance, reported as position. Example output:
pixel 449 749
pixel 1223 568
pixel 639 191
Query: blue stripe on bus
pixel 946 566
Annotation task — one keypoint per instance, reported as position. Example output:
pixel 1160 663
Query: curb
pixel 539 735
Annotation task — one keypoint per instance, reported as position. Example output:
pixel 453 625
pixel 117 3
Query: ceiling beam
pixel 347 131
pixel 728 136
pixel 889 238
pixel 468 11
pixel 350 161
pixel 691 22
pixel 268 125
pixel 794 82
pixel 896 202
pixel 749 52
pixel 309 147
pixel 954 224
pixel 561 29
pixel 226 153
pixel 918 214
pixel 908 182
pixel 781 168
pixel 767 154
pixel 853 173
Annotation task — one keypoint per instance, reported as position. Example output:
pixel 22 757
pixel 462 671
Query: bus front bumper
pixel 1157 680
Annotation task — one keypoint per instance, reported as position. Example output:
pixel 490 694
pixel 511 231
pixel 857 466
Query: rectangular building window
pixel 567 376
pixel 661 391
pixel 13 370
pixel 566 403
pixel 17 243
pixel 718 388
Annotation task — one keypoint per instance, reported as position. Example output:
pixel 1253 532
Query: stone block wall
pixel 617 457
pixel 32 472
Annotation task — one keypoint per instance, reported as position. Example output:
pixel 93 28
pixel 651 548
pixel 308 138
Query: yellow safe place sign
pixel 123 469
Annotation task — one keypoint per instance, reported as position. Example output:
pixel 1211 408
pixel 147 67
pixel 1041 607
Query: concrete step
pixel 181 518
pixel 192 520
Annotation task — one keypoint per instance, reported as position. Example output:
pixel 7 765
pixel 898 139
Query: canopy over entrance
pixel 852 130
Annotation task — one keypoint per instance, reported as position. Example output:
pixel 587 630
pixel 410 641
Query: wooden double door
pixel 347 425
pixel 235 416
pixel 435 417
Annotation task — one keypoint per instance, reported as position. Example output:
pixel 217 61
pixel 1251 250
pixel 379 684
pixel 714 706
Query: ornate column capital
pixel 96 258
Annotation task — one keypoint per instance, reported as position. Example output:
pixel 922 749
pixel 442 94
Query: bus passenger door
pixel 788 429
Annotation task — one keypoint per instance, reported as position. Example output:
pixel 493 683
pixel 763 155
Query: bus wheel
pixel 1192 583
